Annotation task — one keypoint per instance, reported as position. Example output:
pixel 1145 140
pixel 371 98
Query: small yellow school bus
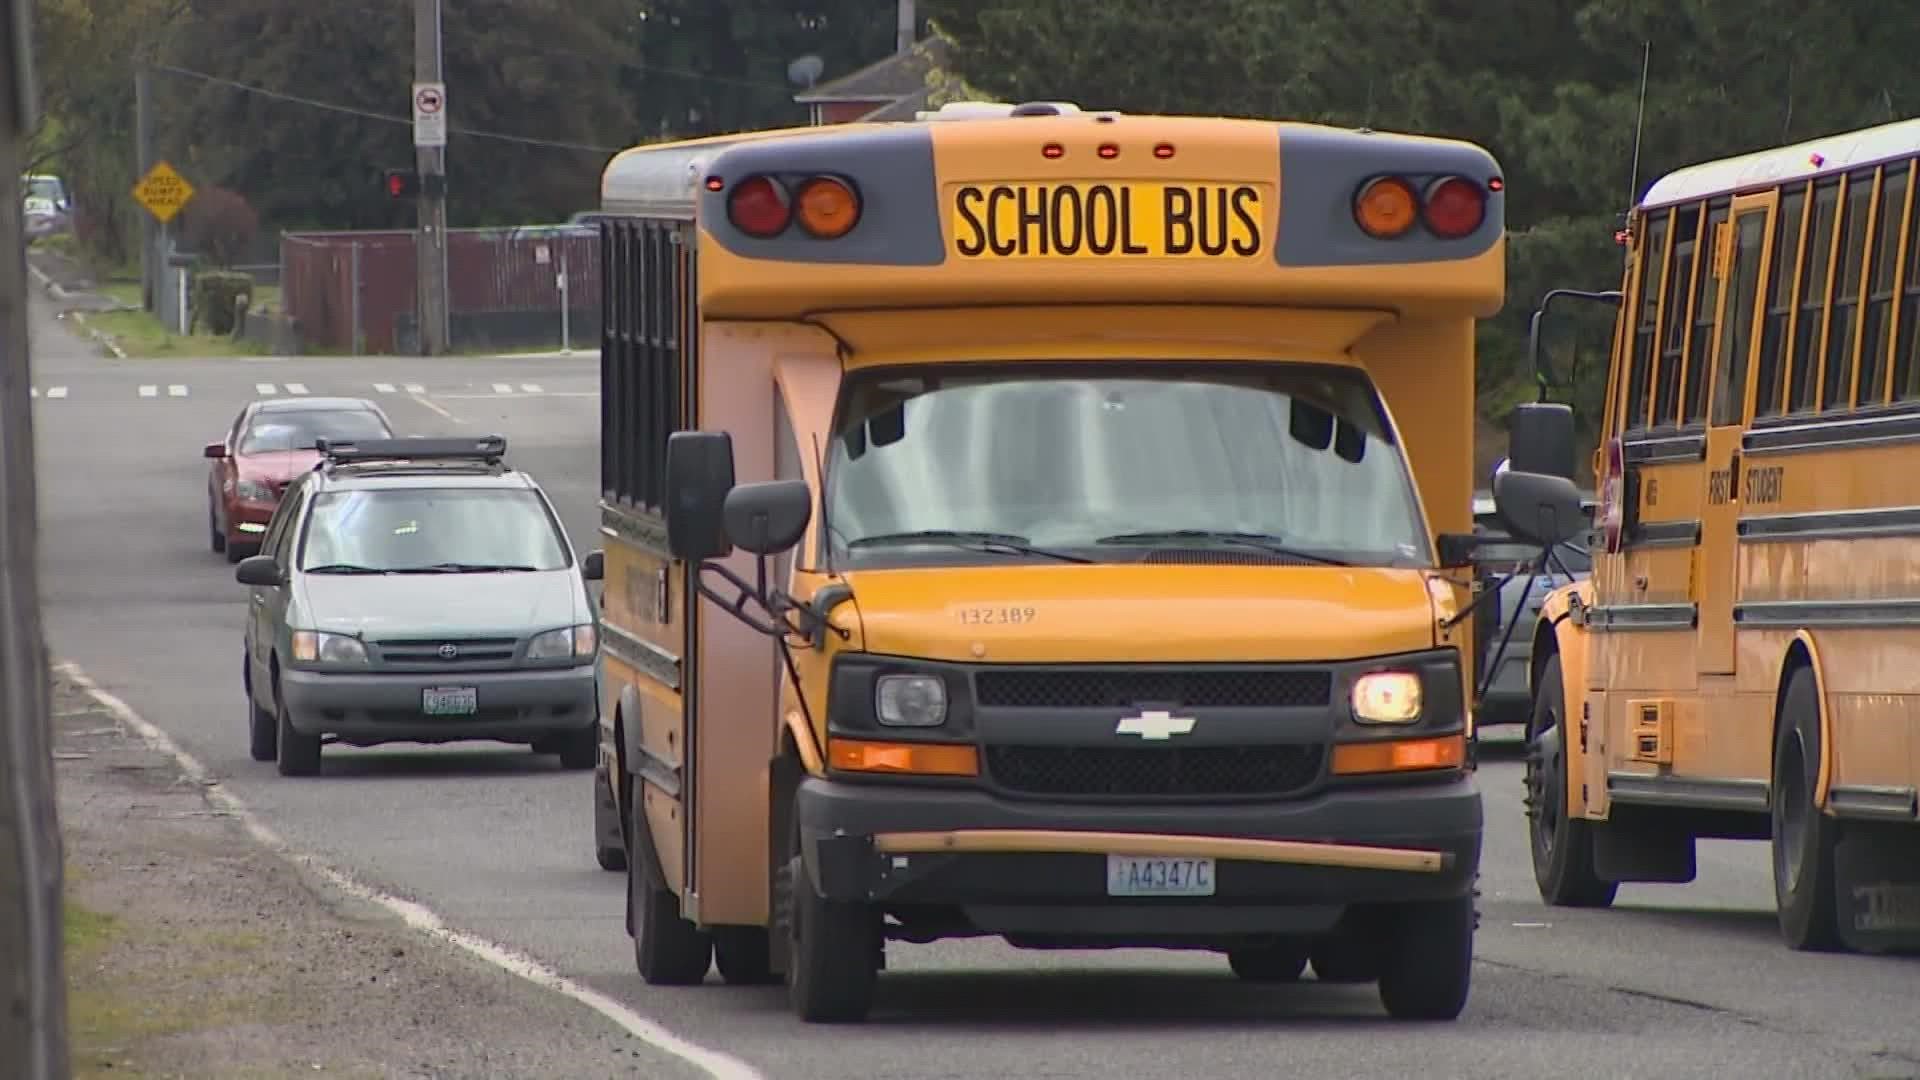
pixel 1050 525
pixel 1738 665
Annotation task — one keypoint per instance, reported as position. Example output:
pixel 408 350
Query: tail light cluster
pixel 1613 511
pixel 1450 206
pixel 764 206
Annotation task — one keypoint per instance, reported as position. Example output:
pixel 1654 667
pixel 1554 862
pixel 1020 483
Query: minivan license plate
pixel 450 701
pixel 1129 875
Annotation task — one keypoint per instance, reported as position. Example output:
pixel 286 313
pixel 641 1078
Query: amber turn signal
pixel 827 208
pixel 923 759
pixel 1386 207
pixel 1400 755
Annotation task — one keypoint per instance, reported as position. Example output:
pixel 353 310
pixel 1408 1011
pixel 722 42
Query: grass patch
pixel 139 334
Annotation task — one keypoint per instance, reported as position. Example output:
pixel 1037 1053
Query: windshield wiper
pixel 1005 543
pixel 345 568
pixel 1264 541
pixel 468 568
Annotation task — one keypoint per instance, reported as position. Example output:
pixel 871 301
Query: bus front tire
pixel 1804 839
pixel 1430 971
pixel 667 949
pixel 742 955
pixel 833 951
pixel 1562 846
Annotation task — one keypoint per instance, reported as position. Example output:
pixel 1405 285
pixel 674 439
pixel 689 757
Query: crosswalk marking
pixel 384 387
pixel 296 388
pixel 56 391
pixel 502 388
pixel 149 390
pixel 265 389
pixel 176 390
pixel 33 391
pixel 531 388
pixel 415 388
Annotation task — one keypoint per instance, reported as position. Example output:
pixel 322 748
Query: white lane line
pixel 417 916
pixel 384 387
pixel 176 390
pixel 438 409
pixel 502 388
pixel 149 391
pixel 492 397
pixel 265 389
pixel 296 388
pixel 530 387
pixel 33 391
pixel 415 388
pixel 56 391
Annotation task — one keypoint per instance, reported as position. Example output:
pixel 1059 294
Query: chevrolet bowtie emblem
pixel 1154 724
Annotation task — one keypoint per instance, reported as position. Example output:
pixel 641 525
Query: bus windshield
pixel 1110 463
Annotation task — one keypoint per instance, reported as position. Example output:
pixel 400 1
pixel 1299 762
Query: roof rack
pixel 487 449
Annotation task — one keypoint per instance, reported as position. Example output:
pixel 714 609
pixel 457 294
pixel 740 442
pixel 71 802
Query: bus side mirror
pixel 593 567
pixel 1542 509
pixel 1540 440
pixel 769 517
pixel 699 477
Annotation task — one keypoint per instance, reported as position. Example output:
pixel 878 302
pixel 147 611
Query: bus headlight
pixel 1386 697
pixel 910 700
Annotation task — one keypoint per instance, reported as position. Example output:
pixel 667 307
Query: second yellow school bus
pixel 1049 525
pixel 1741 663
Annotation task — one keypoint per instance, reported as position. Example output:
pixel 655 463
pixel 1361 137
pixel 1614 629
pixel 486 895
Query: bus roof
pixel 1829 154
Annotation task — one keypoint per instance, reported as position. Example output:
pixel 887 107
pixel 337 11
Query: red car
pixel 270 443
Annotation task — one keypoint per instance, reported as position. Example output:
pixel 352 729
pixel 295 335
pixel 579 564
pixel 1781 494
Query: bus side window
pixel 1906 371
pixel 1706 298
pixel 1813 296
pixel 1673 313
pixel 1647 268
pixel 1775 344
pixel 1837 383
pixel 1877 323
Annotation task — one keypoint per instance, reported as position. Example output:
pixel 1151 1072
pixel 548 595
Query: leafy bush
pixel 214 297
pixel 219 225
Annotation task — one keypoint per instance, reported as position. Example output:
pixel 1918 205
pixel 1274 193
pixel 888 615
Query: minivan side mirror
pixel 1540 440
pixel 768 517
pixel 259 570
pixel 1545 510
pixel 594 566
pixel 699 476
pixel 215 450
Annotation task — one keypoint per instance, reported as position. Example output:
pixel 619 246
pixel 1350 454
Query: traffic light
pixel 402 184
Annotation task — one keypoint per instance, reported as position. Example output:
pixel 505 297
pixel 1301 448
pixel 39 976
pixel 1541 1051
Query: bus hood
pixel 1135 613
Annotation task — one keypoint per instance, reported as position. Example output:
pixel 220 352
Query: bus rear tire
pixel 833 952
pixel 1804 839
pixel 742 955
pixel 1430 971
pixel 1562 846
pixel 667 949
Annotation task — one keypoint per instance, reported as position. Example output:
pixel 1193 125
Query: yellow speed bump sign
pixel 163 192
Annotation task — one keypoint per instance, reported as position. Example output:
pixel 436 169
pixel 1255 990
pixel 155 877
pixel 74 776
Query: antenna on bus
pixel 1639 125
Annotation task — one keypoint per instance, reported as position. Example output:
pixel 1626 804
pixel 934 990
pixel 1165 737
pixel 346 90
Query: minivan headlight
pixel 568 641
pixel 910 700
pixel 318 646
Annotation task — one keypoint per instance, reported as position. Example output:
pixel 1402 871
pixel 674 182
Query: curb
pixel 52 287
pixel 79 318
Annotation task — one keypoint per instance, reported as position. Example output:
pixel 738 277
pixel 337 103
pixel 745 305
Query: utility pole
pixel 33 984
pixel 430 242
pixel 904 26
pixel 150 260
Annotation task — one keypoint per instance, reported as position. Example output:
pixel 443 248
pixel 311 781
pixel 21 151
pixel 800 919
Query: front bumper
pixel 513 706
pixel 247 521
pixel 1040 868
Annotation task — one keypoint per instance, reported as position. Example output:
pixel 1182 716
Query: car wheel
pixel 579 749
pixel 216 537
pixel 298 755
pixel 605 813
pixel 263 731
pixel 1430 970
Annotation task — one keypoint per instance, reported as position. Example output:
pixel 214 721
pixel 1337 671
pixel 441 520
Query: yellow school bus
pixel 1051 525
pixel 1738 665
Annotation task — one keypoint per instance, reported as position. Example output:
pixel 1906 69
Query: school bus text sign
pixel 163 192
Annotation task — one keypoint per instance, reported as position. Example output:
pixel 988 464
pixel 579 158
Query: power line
pixel 388 118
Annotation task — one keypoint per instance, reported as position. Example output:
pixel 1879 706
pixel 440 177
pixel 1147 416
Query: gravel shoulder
pixel 192 951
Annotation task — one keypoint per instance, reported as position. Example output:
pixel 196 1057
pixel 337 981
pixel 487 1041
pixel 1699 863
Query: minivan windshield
pixel 431 530
pixel 1112 462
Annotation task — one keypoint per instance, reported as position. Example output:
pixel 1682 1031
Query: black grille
pixel 427 650
pixel 1124 688
pixel 1165 772
pixel 1217 557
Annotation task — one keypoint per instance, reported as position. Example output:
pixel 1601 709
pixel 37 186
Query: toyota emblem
pixel 449 651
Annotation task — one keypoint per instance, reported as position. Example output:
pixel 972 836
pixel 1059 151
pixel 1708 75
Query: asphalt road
pixel 1674 982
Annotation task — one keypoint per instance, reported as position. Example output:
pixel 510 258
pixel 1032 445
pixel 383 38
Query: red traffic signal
pixel 402 183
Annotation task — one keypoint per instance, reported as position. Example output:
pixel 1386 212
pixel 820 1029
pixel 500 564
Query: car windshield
pixel 1110 463
pixel 1501 554
pixel 276 431
pixel 431 530
pixel 44 187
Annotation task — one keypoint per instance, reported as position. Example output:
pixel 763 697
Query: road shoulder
pixel 192 950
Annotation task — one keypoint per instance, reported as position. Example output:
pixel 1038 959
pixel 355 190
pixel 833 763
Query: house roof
pixel 900 108
pixel 887 80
